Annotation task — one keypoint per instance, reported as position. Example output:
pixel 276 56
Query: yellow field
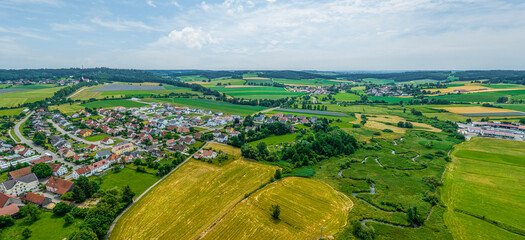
pixel 306 204
pixel 379 122
pixel 190 200
pixel 478 109
pixel 87 94
pixel 469 88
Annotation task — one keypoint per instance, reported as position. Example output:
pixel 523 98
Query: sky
pixel 336 35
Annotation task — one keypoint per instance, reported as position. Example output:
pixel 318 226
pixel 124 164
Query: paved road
pixel 39 149
pixel 61 130
pixel 77 92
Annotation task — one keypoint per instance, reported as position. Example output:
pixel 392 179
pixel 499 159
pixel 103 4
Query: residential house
pixel 58 170
pixel 180 148
pixel 107 141
pixel 17 186
pixel 59 186
pixel 122 148
pixel 9 205
pixel 222 139
pixel 103 154
pixel 37 199
pixel 91 169
pixel 188 140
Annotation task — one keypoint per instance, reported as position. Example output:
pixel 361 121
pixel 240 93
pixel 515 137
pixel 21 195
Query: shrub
pixel 387 130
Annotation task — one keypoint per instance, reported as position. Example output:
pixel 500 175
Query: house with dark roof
pixel 59 186
pixel 17 186
pixel 103 154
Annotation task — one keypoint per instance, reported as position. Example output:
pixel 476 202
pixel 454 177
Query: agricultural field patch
pixel 381 122
pixel 305 204
pixel 346 97
pixel 119 87
pixel 214 106
pixel 378 81
pixel 113 103
pixel 483 180
pixel 304 82
pixel 276 140
pixel 67 108
pixel 190 200
pixel 390 99
pixel 257 92
pixel 476 109
pixel 258 81
pixel 48 226
pixel 12 99
pixel 11 112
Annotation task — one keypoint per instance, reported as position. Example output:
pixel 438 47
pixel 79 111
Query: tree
pixel 31 212
pixel 362 231
pixel 127 195
pixel 42 170
pixel 6 221
pixel 83 234
pixel 262 149
pixel 61 209
pixel 78 194
pixel 27 233
pixel 39 138
pixel 249 151
pixel 278 174
pixel 502 100
pixel 69 219
pixel 413 217
pixel 276 211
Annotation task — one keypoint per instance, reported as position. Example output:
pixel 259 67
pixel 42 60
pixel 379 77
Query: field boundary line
pixel 144 193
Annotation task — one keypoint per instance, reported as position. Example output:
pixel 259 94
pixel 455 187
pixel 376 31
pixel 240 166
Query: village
pixel 493 130
pixel 91 142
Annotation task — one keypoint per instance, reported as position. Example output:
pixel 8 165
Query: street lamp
pixel 321 232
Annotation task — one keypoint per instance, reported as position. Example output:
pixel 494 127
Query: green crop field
pixel 113 103
pixel 190 200
pixel 258 81
pixel 346 97
pixel 48 226
pixel 214 106
pixel 502 86
pixel 484 180
pixel 137 181
pixel 483 96
pixel 11 112
pixel 192 78
pixel 305 204
pixel 257 92
pixel 516 107
pixel 378 81
pixel 214 83
pixel 93 92
pixel 12 99
pixel 390 99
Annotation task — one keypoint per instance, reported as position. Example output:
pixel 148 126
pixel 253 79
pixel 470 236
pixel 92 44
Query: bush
pixel 27 233
pixel 388 130
pixel 79 212
pixel 69 219
pixel 362 231
pixel 276 211
pixel 61 209
pixel 6 221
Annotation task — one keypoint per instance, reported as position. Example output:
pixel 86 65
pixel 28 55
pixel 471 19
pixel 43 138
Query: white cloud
pixel 122 25
pixel 151 3
pixel 205 6
pixel 176 4
pixel 190 37
pixel 30 33
pixel 71 27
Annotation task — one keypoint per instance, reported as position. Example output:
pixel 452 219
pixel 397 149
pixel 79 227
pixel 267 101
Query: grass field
pixel 214 106
pixel 305 82
pixel 484 179
pixel 276 140
pixel 483 96
pixel 515 107
pixel 137 181
pixel 98 92
pixel 48 226
pixel 11 112
pixel 378 81
pixel 381 122
pixel 12 99
pixel 305 204
pixel 257 92
pixel 190 200
pixel 68 108
pixel 94 138
pixel 113 103
pixel 346 97
pixel 390 99
pixel 214 83
pixel 258 81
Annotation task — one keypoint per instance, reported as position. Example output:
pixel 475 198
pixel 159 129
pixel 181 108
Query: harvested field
pixel 306 204
pixel 190 200
pixel 477 109
pixel 118 87
pixel 381 122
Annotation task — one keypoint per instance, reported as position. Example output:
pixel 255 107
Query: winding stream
pixel 414 158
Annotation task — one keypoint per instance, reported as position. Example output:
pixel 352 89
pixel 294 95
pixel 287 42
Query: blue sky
pixel 263 34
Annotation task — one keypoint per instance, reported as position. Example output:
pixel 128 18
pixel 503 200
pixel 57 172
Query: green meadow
pixel 214 106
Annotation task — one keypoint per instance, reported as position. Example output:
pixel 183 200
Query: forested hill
pixel 131 75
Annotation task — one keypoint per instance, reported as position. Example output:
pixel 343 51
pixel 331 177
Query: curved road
pixel 62 131
pixel 37 148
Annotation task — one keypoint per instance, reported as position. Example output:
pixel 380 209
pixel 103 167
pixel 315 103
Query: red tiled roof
pixel 54 166
pixel 20 172
pixel 4 197
pixel 9 210
pixel 34 198
pixel 61 185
